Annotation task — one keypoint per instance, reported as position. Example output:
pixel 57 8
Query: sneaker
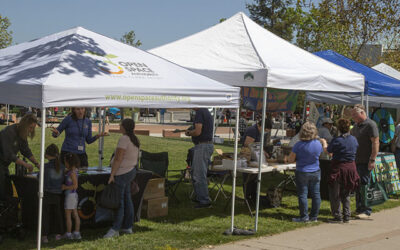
pixel 346 220
pixel 335 221
pixel 362 216
pixel 67 236
pixel 111 233
pixel 58 237
pixel 126 231
pixel 44 239
pixel 300 220
pixel 313 219
pixel 200 205
pixel 76 236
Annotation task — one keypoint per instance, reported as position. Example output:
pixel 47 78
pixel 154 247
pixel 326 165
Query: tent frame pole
pixel 214 120
pixel 304 109
pixel 8 113
pixel 362 98
pixel 261 157
pixel 100 128
pixel 41 176
pixel 367 106
pixel 234 170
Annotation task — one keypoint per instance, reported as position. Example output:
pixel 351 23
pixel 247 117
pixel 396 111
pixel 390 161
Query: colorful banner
pixel 278 100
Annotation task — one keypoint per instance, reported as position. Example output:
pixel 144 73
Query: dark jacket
pixel 53 180
pixel 10 144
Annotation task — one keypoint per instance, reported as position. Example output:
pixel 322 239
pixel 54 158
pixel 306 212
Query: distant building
pixel 371 54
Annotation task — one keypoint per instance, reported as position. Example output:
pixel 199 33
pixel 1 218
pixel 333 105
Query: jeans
pixel 52 213
pixel 365 177
pixel 397 156
pixel 124 216
pixel 337 194
pixel 201 158
pixel 308 183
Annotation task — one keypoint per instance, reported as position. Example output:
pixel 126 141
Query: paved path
pixel 382 233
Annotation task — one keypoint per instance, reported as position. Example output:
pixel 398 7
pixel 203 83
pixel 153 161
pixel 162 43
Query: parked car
pixel 148 112
pixel 114 114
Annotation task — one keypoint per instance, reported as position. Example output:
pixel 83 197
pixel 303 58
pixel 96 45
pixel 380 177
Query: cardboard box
pixel 155 188
pixel 155 207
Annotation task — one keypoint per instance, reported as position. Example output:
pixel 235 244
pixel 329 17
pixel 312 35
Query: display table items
pixel 386 173
pixel 90 185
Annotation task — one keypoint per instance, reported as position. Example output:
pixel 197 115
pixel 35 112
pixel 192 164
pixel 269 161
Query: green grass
pixel 184 227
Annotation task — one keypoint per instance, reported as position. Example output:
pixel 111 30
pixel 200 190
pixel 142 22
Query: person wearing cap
pixel 14 139
pixel 325 130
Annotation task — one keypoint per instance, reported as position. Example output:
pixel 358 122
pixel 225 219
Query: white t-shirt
pixel 130 157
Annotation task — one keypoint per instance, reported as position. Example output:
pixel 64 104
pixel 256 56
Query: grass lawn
pixel 184 227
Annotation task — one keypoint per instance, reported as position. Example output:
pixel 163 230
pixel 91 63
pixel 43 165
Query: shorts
pixel 71 201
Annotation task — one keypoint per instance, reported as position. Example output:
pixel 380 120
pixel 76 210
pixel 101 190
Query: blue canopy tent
pixel 380 90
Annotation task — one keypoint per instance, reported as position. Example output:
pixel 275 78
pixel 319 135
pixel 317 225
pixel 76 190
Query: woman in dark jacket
pixel 343 176
pixel 13 139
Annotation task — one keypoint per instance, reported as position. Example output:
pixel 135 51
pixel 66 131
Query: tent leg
pixel 261 157
pixel 100 127
pixel 214 120
pixel 367 107
pixel 362 98
pixel 304 110
pixel 41 182
pixel 103 129
pixel 234 170
pixel 8 113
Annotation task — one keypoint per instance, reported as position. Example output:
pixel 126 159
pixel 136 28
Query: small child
pixel 53 181
pixel 71 196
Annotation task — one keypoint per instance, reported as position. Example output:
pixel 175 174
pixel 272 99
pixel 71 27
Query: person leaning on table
pixel 78 132
pixel 13 139
pixel 306 152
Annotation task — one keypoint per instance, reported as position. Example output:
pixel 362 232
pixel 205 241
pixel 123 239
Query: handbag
pixel 134 188
pixel 111 196
pixel 373 194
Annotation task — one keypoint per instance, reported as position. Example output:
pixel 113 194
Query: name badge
pixel 80 148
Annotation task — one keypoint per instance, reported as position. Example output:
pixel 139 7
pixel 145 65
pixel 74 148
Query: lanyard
pixel 80 130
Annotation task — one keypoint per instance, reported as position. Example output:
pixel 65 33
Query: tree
pixel 347 26
pixel 129 38
pixel 5 34
pixel 278 16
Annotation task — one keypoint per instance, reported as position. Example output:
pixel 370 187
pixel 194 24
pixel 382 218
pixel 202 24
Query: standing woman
pixel 306 152
pixel 343 177
pixel 78 132
pixel 13 139
pixel 123 171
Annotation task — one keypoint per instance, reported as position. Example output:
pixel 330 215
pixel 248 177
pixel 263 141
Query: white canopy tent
pixel 78 67
pixel 386 69
pixel 239 52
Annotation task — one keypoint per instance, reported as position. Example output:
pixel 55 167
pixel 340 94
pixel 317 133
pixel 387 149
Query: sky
pixel 155 22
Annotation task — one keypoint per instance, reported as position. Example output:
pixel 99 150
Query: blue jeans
pixel 124 215
pixel 308 183
pixel 365 177
pixel 201 158
pixel 397 156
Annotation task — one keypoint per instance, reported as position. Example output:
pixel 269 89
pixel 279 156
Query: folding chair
pixel 158 164
pixel 218 179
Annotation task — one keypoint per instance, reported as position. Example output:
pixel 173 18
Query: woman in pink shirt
pixel 123 171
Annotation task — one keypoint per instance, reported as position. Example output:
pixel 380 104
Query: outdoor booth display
pixel 78 67
pixel 381 90
pixel 239 52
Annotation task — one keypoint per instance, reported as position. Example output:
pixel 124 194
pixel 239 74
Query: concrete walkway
pixel 381 232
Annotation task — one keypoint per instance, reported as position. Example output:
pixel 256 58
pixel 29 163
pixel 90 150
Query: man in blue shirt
pixel 203 149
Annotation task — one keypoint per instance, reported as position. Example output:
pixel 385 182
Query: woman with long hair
pixel 14 139
pixel 123 171
pixel 78 132
pixel 306 152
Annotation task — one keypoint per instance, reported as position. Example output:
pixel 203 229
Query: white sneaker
pixel 111 233
pixel 126 231
pixel 363 216
pixel 67 236
pixel 76 236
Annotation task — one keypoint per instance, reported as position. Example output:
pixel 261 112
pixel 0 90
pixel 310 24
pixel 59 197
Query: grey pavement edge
pixel 381 232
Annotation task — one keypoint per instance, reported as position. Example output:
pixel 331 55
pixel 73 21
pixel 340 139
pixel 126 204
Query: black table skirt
pixel 88 191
